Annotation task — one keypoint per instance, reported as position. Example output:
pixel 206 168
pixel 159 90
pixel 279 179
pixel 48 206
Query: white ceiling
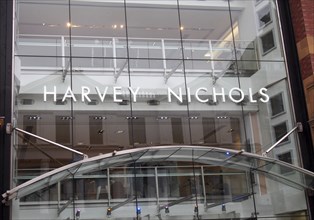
pixel 144 21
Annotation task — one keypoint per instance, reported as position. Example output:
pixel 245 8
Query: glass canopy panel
pixel 183 154
pixel 209 160
pixel 284 171
pixel 176 177
pixel 101 164
pixel 124 159
pixel 284 180
pixel 49 179
pixel 158 156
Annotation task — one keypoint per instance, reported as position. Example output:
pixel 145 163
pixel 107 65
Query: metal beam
pixel 65 71
pixel 233 199
pixel 298 127
pixel 51 142
pixel 168 75
pixel 65 206
pixel 176 202
pixel 116 75
pixel 123 203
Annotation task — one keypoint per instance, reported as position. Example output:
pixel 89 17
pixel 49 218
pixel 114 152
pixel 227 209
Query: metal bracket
pixel 9 128
pixel 300 127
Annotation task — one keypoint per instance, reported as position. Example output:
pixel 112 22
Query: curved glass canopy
pixel 302 179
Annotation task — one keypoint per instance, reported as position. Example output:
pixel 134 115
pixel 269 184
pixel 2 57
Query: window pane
pixel 277 105
pixel 268 42
pixel 264 16
pixel 280 130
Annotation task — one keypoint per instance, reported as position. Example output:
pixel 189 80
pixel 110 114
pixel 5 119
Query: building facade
pixel 172 109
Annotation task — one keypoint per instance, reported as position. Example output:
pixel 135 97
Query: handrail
pixel 130 38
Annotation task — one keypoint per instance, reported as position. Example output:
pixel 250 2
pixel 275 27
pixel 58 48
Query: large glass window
pixel 104 76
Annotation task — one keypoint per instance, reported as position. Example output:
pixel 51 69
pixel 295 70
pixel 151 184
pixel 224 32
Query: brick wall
pixel 302 13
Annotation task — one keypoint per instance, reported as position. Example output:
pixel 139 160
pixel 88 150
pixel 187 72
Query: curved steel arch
pixel 303 179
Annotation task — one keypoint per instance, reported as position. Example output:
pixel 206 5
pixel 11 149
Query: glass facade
pixel 102 76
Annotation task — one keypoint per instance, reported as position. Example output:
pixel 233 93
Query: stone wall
pixel 302 13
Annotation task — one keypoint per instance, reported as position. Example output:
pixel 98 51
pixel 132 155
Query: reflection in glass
pixel 268 42
pixel 264 16
pixel 280 130
pixel 277 105
pixel 286 157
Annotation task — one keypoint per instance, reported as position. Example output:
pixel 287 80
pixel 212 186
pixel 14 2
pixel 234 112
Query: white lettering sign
pixel 201 94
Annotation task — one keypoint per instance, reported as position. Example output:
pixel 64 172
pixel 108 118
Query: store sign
pixel 235 94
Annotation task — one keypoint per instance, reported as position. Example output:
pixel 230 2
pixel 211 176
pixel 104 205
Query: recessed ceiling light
pixel 208 54
pixel 222 117
pixel 162 118
pixel 68 24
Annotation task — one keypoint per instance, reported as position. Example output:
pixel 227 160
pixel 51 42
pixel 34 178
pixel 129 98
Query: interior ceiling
pixel 108 20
